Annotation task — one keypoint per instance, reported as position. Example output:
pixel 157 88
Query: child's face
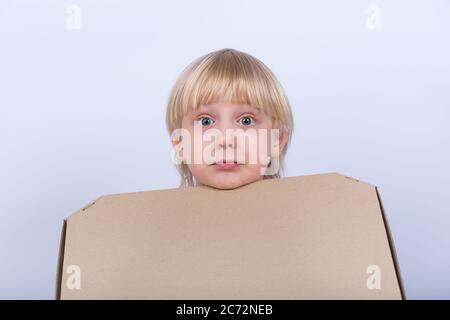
pixel 241 167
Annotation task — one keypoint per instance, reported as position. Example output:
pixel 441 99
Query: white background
pixel 82 112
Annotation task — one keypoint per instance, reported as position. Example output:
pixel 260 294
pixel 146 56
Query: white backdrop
pixel 82 106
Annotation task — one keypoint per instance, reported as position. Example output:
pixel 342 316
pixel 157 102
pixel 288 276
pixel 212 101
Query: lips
pixel 226 165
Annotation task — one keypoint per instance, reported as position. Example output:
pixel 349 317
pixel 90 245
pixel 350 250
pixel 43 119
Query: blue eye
pixel 246 121
pixel 206 121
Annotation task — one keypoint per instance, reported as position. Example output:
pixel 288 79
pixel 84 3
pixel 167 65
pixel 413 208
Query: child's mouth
pixel 226 165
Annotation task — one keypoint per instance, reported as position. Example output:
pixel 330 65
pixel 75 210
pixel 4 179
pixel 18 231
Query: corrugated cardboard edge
pixel 59 271
pixel 392 246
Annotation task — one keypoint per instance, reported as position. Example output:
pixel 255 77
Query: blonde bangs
pixel 228 76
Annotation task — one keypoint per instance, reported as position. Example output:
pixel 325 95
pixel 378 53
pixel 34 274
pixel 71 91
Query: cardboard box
pixel 322 236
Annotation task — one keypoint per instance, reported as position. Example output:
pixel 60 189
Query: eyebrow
pixel 249 107
pixel 202 108
pixel 245 107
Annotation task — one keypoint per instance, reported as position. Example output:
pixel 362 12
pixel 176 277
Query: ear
pixel 283 140
pixel 176 141
pixel 177 150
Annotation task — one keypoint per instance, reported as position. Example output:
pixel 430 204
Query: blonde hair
pixel 231 76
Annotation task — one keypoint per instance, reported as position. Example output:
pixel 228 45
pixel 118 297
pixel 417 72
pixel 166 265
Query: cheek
pixel 253 171
pixel 258 148
pixel 270 140
pixel 189 144
pixel 198 170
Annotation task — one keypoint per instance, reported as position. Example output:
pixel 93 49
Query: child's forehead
pixel 227 105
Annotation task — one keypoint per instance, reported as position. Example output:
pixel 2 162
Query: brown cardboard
pixel 308 237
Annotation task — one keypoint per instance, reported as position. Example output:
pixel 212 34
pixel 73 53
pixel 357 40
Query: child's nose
pixel 230 145
pixel 228 139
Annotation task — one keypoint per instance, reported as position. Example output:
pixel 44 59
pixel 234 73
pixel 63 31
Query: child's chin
pixel 226 183
pixel 227 186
